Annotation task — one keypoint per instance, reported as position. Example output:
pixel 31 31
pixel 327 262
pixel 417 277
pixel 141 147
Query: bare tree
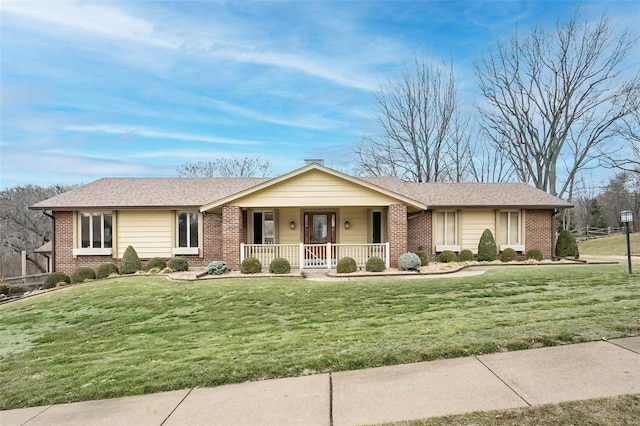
pixel 247 166
pixel 421 128
pixel 553 97
pixel 24 229
pixel 627 157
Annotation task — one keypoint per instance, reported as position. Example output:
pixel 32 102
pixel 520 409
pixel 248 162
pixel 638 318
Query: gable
pixel 315 188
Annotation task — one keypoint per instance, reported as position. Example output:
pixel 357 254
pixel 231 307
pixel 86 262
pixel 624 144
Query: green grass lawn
pixel 145 334
pixel 615 245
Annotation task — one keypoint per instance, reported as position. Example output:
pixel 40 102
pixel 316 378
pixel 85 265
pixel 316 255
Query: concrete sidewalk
pixel 396 393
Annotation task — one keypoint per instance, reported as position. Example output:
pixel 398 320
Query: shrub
pixel 424 259
pixel 375 264
pixel 566 245
pixel 280 265
pixel 4 288
pixel 217 267
pixel 251 265
pixel 130 261
pixel 55 278
pixel 448 256
pixel 487 249
pixel 346 265
pixel 16 289
pixel 156 263
pixel 508 255
pixel 535 254
pixel 178 264
pixel 409 262
pixel 465 256
pixel 82 274
pixel 106 269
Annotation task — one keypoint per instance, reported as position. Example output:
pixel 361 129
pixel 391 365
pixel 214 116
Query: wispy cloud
pixel 151 133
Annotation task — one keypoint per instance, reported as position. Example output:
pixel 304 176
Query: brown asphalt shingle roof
pixel 196 192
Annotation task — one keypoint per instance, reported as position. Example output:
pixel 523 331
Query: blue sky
pixel 98 89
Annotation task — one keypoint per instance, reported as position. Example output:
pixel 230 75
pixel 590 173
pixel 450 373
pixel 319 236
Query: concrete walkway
pixel 386 394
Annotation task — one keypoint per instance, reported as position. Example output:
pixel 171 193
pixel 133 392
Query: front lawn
pixel 145 334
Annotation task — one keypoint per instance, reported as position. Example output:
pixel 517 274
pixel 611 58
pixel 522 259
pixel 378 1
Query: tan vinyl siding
pixel 315 189
pixel 472 225
pixel 149 232
pixel 286 234
pixel 357 232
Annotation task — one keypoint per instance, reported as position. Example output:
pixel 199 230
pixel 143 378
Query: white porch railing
pixel 302 256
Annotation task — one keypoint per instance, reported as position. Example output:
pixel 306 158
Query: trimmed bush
pixel 508 255
pixel 217 267
pixel 535 254
pixel 280 265
pixel 448 256
pixel 16 289
pixel 346 265
pixel 178 264
pixel 487 249
pixel 465 256
pixel 156 263
pixel 409 262
pixel 106 269
pixel 82 274
pixel 566 245
pixel 55 278
pixel 424 259
pixel 251 265
pixel 375 264
pixel 4 288
pixel 130 261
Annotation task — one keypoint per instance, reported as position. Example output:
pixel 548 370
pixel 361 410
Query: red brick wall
pixel 419 232
pixel 397 232
pixel 539 231
pixel 212 238
pixel 232 225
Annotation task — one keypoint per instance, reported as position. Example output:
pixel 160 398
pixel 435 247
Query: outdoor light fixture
pixel 292 225
pixel 347 225
pixel 626 217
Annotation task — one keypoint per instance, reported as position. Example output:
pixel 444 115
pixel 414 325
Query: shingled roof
pixel 109 193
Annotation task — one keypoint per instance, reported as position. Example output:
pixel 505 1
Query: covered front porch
pixel 316 256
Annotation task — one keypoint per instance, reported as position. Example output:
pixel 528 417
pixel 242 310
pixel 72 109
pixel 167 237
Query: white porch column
pixel 301 256
pixel 387 255
pixel 241 252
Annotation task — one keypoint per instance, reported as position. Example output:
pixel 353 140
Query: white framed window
pixel 188 233
pixel 95 234
pixel 510 230
pixel 446 230
pixel 264 227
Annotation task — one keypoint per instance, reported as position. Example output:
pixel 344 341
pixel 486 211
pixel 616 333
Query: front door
pixel 320 229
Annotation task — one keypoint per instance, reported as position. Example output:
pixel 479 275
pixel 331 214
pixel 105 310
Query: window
pixel 264 228
pixel 95 230
pixel 446 231
pixel 510 235
pixel 188 237
pixel 95 234
pixel 376 227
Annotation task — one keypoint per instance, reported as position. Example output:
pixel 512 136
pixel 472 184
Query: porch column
pixel 231 235
pixel 397 232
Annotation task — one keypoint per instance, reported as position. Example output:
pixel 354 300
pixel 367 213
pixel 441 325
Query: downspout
pixel 53 240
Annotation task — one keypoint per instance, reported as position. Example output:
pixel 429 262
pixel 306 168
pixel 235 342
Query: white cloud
pixel 150 133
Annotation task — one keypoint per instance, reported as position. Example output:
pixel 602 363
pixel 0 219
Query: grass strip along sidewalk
pixel 138 335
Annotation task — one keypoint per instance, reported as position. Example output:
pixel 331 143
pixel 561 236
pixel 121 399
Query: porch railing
pixel 306 256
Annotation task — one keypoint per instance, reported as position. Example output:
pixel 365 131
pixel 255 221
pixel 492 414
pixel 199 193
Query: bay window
pixel 510 230
pixel 446 231
pixel 95 234
pixel 188 230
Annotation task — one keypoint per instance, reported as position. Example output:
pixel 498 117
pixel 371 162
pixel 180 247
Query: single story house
pixel 312 216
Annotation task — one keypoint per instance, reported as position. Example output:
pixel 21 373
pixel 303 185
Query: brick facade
pixel 539 233
pixel 232 225
pixel 419 232
pixel 397 232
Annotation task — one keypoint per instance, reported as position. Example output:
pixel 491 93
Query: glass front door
pixel 319 228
